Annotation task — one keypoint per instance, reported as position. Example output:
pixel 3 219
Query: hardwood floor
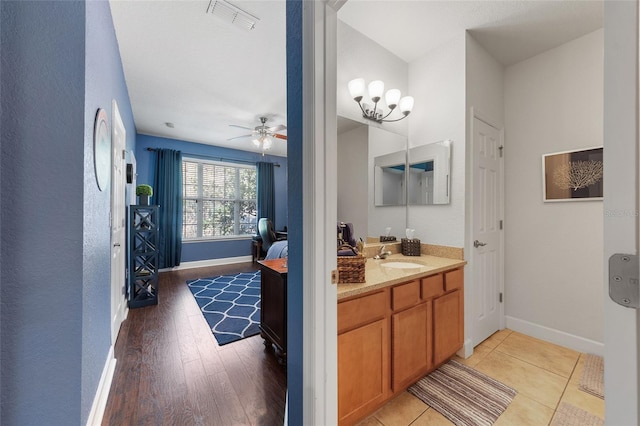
pixel 171 371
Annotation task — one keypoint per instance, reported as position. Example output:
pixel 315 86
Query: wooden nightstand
pixel 273 305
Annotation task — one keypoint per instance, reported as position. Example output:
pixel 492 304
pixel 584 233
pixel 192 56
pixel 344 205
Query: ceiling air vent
pixel 233 14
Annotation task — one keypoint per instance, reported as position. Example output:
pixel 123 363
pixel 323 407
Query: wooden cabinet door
pixel 363 370
pixel 411 345
pixel 448 325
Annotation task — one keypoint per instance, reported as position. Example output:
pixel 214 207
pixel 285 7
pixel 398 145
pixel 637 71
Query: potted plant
pixel 144 192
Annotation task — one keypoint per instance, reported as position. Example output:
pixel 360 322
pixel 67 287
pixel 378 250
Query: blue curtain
pixel 266 197
pixel 167 191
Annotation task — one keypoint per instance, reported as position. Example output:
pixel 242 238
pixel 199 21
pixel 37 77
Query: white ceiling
pixel 201 73
pixel 190 68
pixel 510 30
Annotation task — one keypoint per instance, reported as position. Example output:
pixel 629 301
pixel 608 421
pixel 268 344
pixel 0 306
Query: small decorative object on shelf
pixel 143 259
pixel 144 192
pixel 387 237
pixel 410 247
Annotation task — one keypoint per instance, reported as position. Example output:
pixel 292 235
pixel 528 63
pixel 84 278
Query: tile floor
pixel 544 374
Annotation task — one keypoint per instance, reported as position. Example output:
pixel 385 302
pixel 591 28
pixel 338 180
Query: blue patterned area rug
pixel 230 304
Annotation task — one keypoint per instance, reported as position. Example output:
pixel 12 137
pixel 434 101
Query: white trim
pixel 218 239
pixel 486 120
pixel 467 349
pixel 470 288
pixel 102 393
pixel 621 324
pixel 319 214
pixel 208 262
pixel 119 306
pixel 552 335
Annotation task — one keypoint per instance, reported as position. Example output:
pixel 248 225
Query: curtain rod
pixel 206 157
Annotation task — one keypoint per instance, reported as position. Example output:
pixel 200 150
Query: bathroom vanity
pixel 405 321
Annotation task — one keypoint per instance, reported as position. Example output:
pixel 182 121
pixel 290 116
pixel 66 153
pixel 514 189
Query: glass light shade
pixel 356 88
pixel 376 88
pixel 392 97
pixel 406 105
pixel 256 142
pixel 267 142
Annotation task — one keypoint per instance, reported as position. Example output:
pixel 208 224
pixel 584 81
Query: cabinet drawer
pixel 453 279
pixel 356 312
pixel 432 286
pixel 405 295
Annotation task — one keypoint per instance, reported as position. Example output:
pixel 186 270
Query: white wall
pixel 553 251
pixel 353 188
pixel 382 142
pixel 485 82
pixel 437 81
pixel 359 56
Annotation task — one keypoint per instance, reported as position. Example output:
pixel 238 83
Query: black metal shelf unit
pixel 143 249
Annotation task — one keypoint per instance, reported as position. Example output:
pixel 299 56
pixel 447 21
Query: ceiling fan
pixel 262 135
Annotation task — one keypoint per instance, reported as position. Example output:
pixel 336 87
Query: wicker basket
pixel 410 247
pixel 351 269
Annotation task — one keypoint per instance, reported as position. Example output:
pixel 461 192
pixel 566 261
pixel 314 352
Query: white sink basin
pixel 402 265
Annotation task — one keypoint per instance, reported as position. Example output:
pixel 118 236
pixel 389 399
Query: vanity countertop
pixel 379 276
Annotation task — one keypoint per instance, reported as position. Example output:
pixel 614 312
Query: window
pixel 219 199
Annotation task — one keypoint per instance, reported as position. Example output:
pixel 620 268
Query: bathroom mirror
pixel 358 146
pixel 389 179
pixel 429 173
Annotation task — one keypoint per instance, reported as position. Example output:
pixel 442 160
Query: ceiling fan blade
pixel 279 136
pixel 240 137
pixel 241 127
pixel 277 128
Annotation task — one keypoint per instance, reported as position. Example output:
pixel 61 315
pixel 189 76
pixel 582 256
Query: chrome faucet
pixel 383 254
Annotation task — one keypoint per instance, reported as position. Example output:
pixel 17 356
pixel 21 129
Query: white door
pixel 118 212
pixel 621 196
pixel 487 252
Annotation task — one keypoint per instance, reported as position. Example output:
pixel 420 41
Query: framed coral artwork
pixel 573 175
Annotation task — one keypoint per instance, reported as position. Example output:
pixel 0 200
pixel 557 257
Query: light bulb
pixel 356 89
pixel 392 97
pixel 406 105
pixel 376 88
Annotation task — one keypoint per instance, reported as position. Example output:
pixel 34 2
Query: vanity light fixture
pixel 376 88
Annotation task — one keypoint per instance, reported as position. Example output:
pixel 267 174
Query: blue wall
pixel 213 249
pixel 54 223
pixel 42 190
pixel 294 154
pixel 104 82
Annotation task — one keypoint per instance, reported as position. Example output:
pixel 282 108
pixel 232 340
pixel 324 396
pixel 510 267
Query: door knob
pixel 477 244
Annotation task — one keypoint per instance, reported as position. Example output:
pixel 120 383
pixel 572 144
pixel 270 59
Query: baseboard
pixel 467 349
pixel 286 408
pixel 208 262
pixel 558 337
pixel 102 393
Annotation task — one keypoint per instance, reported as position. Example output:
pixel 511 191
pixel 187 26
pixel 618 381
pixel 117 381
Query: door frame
pixel 118 310
pixel 319 216
pixel 467 349
pixel 622 194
